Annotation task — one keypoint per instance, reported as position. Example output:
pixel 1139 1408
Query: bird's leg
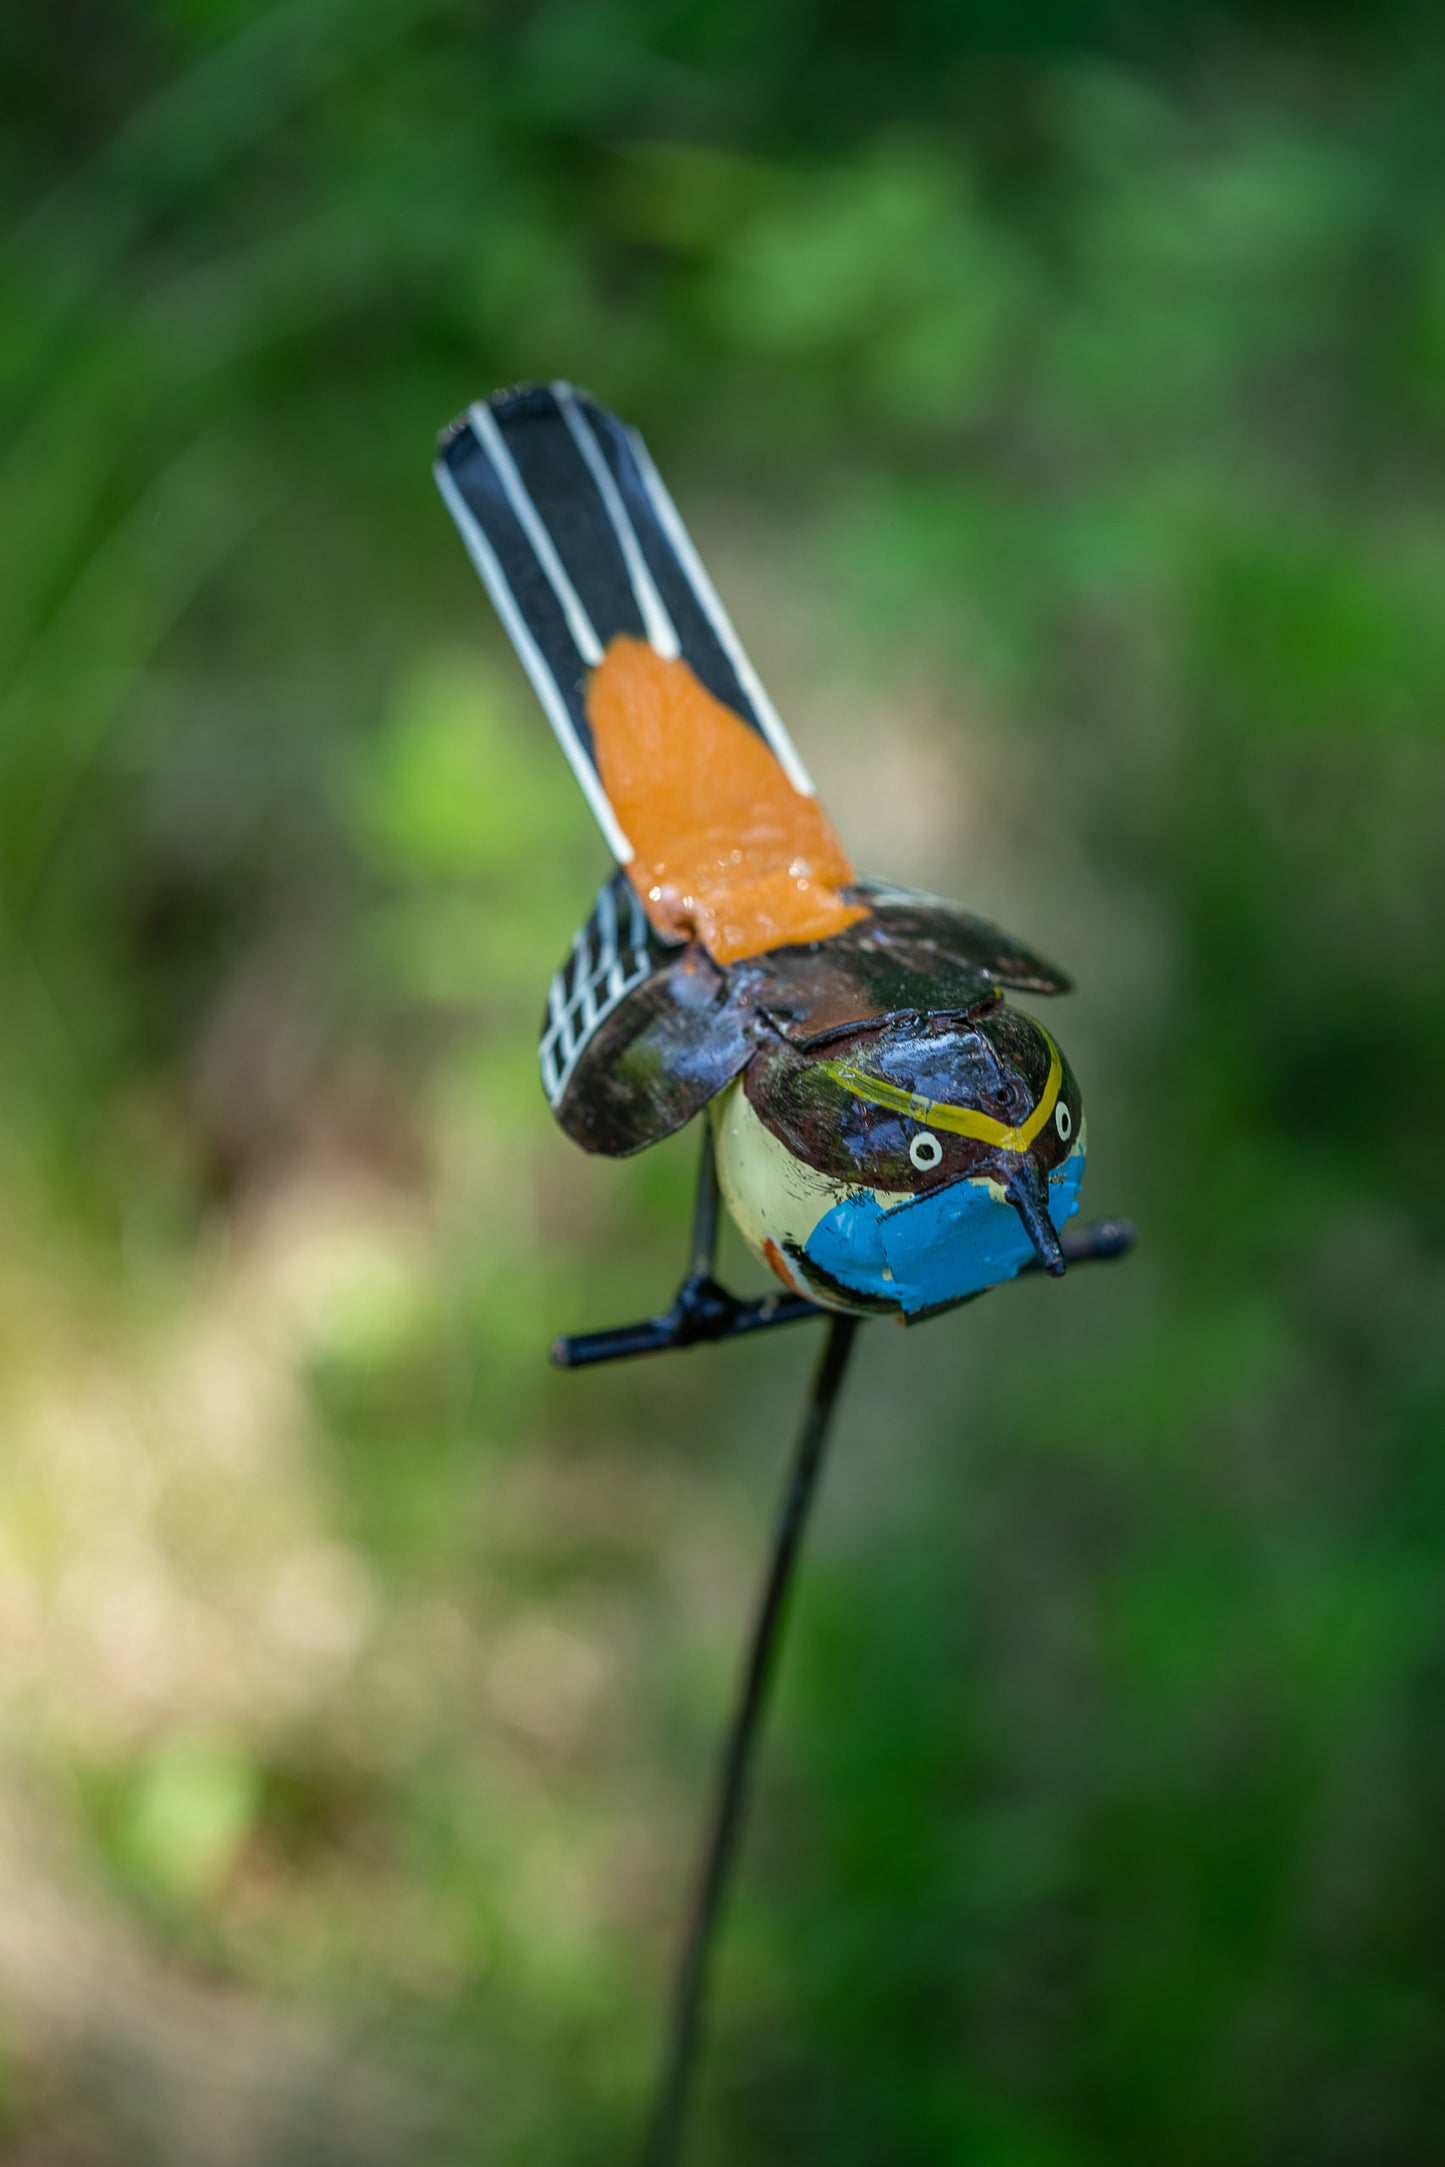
pixel 703 1249
pixel 701 1309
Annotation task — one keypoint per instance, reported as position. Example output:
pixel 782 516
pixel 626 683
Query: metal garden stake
pixel 890 1135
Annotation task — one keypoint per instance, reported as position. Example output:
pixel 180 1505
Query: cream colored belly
pixel 776 1201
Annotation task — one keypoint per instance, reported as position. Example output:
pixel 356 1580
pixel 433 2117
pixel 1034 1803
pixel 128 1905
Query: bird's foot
pixel 701 1310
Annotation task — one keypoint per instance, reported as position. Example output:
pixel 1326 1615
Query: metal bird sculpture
pixel 890 1134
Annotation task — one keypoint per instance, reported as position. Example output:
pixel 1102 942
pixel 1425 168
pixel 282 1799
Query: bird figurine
pixel 891 1135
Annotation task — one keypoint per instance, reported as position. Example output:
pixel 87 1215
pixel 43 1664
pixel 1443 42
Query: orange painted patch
pixel 726 849
pixel 778 1264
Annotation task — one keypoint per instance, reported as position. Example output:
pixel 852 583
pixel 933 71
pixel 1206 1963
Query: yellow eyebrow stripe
pixel 954 1120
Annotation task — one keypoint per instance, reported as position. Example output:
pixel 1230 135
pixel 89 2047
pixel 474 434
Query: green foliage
pixel 1057 395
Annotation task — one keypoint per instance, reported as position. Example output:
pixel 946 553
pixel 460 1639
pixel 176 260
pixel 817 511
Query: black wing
pixel 569 524
pixel 914 955
pixel 638 1036
pixel 928 921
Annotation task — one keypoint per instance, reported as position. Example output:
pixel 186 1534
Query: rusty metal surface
pixel 668 1047
pixel 658 1031
pixel 908 914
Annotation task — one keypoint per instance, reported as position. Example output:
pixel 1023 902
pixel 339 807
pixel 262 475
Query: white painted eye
pixel 925 1151
pixel 1063 1121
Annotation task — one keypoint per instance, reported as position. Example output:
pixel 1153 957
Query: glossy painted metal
pixel 891 1134
pixel 880 1232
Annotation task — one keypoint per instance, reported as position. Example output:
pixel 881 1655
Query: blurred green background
pixel 1058 395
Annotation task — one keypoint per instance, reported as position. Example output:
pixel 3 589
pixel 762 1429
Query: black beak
pixel 1028 1192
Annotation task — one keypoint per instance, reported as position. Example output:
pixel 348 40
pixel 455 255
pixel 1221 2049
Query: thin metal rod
pixel 730 1802
pixel 704 1209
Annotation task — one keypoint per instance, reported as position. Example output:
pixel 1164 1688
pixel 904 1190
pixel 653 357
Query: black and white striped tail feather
pixel 577 540
pixel 613 952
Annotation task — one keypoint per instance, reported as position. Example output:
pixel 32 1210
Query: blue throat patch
pixel 936 1248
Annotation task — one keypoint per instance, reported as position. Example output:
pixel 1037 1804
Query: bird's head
pixel 938 1153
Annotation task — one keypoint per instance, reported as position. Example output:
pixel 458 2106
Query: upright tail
pixel 683 758
pixel 569 523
